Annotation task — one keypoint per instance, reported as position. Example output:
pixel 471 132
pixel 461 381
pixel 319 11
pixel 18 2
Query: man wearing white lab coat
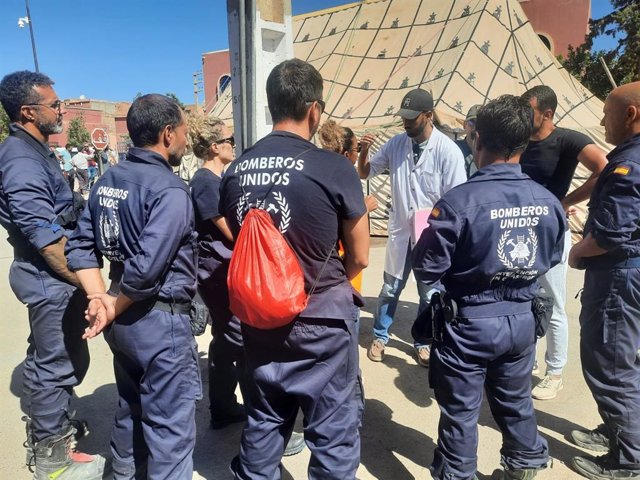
pixel 423 163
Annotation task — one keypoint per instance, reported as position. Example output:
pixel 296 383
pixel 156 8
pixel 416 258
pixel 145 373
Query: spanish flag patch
pixel 435 212
pixel 622 170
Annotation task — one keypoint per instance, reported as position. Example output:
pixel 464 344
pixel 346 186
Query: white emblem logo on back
pixel 523 249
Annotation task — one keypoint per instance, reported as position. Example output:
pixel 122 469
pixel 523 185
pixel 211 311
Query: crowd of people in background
pixel 481 223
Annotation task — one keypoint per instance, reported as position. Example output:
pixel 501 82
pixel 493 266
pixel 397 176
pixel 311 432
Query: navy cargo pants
pixel 609 343
pixel 226 355
pixel 494 353
pixel 311 364
pixel 155 360
pixel 57 357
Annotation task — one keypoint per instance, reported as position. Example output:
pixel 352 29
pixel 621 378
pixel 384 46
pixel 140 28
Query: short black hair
pixel 16 90
pixel 545 97
pixel 290 87
pixel 505 125
pixel 148 117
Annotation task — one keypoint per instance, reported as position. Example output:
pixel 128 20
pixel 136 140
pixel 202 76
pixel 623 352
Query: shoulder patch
pixel 435 212
pixel 622 170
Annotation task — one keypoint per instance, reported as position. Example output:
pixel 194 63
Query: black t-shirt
pixel 552 162
pixel 313 192
pixel 205 192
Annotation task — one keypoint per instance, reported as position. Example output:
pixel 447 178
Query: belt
pixel 494 309
pixel 605 263
pixel 174 308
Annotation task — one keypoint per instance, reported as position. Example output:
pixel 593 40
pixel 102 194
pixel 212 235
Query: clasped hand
pixel 100 313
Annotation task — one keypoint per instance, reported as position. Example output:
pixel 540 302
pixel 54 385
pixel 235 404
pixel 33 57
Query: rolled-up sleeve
pixel 615 218
pixel 169 225
pixel 81 249
pixel 433 253
pixel 31 199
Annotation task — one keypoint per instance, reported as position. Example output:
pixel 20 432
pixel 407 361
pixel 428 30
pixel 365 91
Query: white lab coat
pixel 414 187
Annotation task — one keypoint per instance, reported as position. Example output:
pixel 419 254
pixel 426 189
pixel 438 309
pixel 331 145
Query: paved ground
pixel 401 415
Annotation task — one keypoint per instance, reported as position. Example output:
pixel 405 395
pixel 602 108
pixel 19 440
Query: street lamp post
pixel 27 20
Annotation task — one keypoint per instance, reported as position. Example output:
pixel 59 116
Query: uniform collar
pixel 632 142
pixel 144 155
pixel 284 133
pixel 503 170
pixel 15 130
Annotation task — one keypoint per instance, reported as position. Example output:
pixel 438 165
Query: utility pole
pixel 33 40
pixel 197 82
pixel 260 37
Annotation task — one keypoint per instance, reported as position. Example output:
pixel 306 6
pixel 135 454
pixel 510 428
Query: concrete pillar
pixel 260 37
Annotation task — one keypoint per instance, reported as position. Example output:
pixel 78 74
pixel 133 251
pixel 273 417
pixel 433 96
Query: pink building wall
pixel 563 22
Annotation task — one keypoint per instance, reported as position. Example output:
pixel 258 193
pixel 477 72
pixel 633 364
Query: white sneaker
pixel 548 388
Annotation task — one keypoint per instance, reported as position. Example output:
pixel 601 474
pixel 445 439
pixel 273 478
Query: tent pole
pixel 606 69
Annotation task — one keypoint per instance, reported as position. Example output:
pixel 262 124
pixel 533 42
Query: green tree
pixel 175 97
pixel 623 24
pixel 4 124
pixel 77 133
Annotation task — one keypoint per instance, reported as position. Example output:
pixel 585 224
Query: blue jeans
pixel 554 284
pixel 388 302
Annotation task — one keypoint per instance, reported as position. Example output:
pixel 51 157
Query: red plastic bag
pixel 265 280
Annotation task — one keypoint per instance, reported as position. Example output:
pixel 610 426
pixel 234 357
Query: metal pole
pixel 606 69
pixel 33 40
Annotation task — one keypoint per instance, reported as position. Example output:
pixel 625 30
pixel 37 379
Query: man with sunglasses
pixel 311 364
pixel 37 210
pixel 423 164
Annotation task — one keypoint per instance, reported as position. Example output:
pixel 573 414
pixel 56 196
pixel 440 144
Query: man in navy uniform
pixel 610 315
pixel 140 217
pixel 315 199
pixel 488 241
pixel 37 210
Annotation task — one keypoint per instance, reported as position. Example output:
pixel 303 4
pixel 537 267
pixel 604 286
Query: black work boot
pixel 603 468
pixel 56 459
pixel 596 440
pixel 506 474
pixel 81 427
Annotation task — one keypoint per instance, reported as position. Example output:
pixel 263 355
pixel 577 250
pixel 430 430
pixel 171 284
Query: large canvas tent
pixel 464 52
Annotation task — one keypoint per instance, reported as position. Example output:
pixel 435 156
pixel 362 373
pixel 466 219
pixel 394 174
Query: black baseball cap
pixel 414 103
pixel 473 112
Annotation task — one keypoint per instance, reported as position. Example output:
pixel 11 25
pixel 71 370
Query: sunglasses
pixel 319 102
pixel 57 105
pixel 230 140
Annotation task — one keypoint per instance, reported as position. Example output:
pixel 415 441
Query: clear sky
pixel 112 50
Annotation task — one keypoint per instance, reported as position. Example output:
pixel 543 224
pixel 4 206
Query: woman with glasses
pixel 342 140
pixel 213 143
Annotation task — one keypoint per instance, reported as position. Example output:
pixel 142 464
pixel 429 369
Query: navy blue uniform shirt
pixel 205 191
pixel 33 192
pixel 490 238
pixel 140 217
pixel 314 191
pixel 614 208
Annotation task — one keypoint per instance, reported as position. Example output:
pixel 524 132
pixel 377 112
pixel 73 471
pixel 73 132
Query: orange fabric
pixel 356 282
pixel 265 280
